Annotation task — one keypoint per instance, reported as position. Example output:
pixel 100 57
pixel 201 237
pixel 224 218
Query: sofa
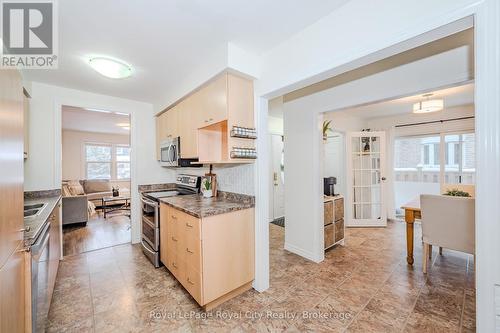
pixel 81 197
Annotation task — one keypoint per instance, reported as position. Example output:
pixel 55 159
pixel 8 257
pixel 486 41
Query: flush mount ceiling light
pixel 109 67
pixel 428 105
pixel 125 126
pixel 98 110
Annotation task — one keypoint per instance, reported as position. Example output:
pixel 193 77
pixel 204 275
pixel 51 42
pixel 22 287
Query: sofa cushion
pixel 65 191
pixel 75 188
pixel 96 185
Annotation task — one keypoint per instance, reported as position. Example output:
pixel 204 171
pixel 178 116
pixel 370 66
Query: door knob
pixel 383 178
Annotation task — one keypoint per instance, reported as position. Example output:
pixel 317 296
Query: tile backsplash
pixel 230 178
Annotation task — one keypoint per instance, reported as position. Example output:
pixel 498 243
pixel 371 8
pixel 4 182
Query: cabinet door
pixel 328 212
pixel 172 122
pixel 329 235
pixel 162 127
pixel 188 129
pixel 213 99
pixel 11 160
pixel 12 293
pixel 240 101
pixel 339 209
pixel 26 106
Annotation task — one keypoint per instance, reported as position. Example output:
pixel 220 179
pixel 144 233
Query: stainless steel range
pixel 185 184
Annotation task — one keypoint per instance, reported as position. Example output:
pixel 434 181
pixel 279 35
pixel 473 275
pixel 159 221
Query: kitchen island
pixel 208 244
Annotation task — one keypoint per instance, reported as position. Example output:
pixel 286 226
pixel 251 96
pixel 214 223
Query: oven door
pixel 150 233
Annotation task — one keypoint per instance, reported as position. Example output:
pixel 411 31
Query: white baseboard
pixel 303 253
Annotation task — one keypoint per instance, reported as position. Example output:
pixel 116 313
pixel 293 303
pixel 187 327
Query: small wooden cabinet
pixel 212 257
pixel 333 221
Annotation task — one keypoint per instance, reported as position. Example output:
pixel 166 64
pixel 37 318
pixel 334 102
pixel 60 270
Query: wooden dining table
pixel 412 212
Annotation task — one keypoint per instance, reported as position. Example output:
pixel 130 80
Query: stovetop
pixel 161 194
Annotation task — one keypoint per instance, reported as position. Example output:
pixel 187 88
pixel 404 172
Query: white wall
pixel 43 167
pixel 73 150
pixel 230 178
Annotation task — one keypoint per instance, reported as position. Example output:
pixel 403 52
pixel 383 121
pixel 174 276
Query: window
pixel 122 162
pixel 98 160
pixel 107 161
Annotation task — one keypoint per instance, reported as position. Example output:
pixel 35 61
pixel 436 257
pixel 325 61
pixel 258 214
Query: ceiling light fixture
pixel 109 67
pixel 123 124
pixel 428 105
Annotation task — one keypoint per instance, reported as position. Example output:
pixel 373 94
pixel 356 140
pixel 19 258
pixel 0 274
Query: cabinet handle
pixel 174 239
pixel 188 250
pixel 174 217
pixel 174 264
pixel 189 225
pixel 191 282
pixel 27 229
pixel 206 120
pixel 210 119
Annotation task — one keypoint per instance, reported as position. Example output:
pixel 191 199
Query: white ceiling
pixel 165 40
pixel 78 119
pixel 454 96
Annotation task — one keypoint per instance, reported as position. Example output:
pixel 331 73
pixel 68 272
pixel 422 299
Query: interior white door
pixel 366 177
pixel 278 177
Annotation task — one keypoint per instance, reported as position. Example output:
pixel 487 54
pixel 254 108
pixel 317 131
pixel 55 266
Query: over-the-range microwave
pixel 170 154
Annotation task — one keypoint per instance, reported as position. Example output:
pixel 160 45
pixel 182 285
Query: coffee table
pixel 106 202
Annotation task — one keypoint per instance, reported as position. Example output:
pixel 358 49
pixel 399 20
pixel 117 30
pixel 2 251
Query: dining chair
pixel 447 222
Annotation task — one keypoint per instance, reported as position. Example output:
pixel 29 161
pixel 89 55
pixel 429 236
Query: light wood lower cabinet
pixel 213 257
pixel 13 307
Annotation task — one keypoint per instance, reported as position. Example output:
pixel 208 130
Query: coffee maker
pixel 328 185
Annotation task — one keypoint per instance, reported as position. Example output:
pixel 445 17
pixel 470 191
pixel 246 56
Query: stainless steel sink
pixel 31 212
pixel 34 206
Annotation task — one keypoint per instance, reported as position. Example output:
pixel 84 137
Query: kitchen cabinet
pixel 12 255
pixel 212 257
pixel 189 117
pixel 13 301
pixel 204 120
pixel 334 228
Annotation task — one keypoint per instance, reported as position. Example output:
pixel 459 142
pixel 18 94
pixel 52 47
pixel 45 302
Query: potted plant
pixel 326 129
pixel 457 193
pixel 206 187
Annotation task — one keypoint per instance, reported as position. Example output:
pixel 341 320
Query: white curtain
pixel 389 187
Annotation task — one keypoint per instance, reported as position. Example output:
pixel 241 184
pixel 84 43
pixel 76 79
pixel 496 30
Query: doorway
pixel 278 178
pixel 96 179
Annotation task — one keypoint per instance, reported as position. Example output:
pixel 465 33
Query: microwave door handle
pixel 168 154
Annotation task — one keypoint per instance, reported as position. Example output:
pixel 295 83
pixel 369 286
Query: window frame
pixel 113 162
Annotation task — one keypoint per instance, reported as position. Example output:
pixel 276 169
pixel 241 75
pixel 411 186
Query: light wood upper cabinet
pixel 213 98
pixel 210 112
pixel 26 109
pixel 188 127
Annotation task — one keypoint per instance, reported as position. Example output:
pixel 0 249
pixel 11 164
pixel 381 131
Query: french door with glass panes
pixel 366 178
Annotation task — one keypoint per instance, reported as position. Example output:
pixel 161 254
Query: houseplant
pixel 206 187
pixel 456 193
pixel 326 129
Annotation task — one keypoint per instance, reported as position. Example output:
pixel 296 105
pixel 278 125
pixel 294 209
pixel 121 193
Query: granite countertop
pixel 198 206
pixel 36 223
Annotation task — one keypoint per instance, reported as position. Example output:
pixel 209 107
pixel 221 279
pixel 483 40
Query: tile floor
pixel 365 286
pixel 99 233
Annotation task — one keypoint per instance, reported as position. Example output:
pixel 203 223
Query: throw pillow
pixel 75 187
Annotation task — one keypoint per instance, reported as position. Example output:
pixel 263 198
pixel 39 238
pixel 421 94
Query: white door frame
pixel 486 14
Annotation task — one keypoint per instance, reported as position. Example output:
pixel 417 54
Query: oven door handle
pixel 37 248
pixel 149 202
pixel 145 246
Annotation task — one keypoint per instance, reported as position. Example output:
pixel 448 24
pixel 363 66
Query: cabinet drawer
pixel 189 226
pixel 175 265
pixel 192 252
pixel 339 209
pixel 329 235
pixel 339 230
pixel 192 282
pixel 328 212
